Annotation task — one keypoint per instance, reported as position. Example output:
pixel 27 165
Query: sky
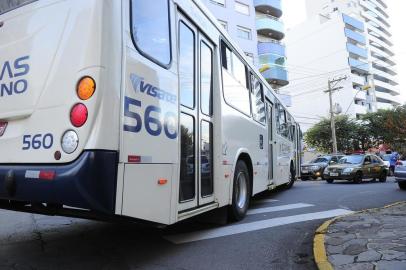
pixel 295 13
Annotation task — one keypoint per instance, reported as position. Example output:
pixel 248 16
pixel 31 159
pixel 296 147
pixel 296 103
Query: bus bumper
pixel 87 183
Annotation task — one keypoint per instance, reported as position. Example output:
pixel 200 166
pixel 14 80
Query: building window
pixel 242 8
pixel 250 57
pixel 243 32
pixel 221 3
pixel 224 24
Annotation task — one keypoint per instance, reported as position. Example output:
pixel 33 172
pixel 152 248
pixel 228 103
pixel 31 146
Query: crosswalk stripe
pixel 252 226
pixel 264 201
pixel 278 208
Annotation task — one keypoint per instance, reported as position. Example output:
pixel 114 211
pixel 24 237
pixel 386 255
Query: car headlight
pixel 315 167
pixel 348 170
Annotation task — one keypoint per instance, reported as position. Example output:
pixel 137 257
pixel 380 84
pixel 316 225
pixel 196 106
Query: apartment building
pixel 257 27
pixel 348 38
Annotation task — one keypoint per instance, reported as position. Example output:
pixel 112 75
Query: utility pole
pixel 331 89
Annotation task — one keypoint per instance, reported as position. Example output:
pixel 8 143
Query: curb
pixel 319 248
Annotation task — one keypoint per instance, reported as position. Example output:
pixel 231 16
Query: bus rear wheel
pixel 241 192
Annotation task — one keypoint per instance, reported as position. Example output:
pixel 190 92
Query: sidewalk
pixel 369 240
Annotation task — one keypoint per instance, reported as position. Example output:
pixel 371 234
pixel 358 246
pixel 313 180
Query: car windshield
pixel 386 157
pixel 321 160
pixel 351 160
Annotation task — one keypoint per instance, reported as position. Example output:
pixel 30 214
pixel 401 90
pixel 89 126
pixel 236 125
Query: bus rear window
pixel 150 30
pixel 8 5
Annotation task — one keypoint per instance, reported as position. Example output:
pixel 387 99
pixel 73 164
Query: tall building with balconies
pixel 271 50
pixel 342 38
pixel 373 13
pixel 238 18
pixel 257 27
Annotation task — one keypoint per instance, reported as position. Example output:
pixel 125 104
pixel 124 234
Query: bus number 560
pixel 153 125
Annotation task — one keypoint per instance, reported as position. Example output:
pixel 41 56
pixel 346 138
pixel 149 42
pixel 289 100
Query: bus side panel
pixel 284 156
pixel 149 147
pixel 144 197
pixel 240 130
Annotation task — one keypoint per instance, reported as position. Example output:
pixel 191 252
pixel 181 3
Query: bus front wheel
pixel 241 192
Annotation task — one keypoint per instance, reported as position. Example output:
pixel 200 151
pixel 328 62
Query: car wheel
pixel 382 177
pixel 330 181
pixel 358 178
pixel 402 185
pixel 314 177
pixel 304 178
pixel 241 192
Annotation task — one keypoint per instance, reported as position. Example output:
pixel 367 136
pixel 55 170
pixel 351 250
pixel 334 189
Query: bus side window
pixel 281 121
pixel 151 35
pixel 206 79
pixel 257 100
pixel 186 66
pixel 236 91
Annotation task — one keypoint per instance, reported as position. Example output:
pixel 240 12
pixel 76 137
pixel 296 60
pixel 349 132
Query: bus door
pixel 195 66
pixel 271 141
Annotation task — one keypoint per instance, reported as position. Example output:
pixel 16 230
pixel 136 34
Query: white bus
pixel 133 108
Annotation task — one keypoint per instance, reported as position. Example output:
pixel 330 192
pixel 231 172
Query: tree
pixel 387 126
pixel 347 131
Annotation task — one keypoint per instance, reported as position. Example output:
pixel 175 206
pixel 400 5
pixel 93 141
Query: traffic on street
pixel 172 134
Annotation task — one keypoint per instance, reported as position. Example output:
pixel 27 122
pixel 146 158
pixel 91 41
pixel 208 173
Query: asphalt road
pixel 277 234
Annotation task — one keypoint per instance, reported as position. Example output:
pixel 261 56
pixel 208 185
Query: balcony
pixel 382 76
pixel 271 47
pixel 271 7
pixel 357 37
pixel 355 50
pixel 385 87
pixel 359 81
pixel 387 98
pixel 354 23
pixel 275 75
pixel 358 66
pixel 270 26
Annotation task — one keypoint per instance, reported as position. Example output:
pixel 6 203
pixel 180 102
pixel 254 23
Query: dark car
pixel 356 168
pixel 400 174
pixel 316 167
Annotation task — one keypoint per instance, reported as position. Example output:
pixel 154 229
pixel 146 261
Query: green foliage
pixel 319 136
pixel 384 126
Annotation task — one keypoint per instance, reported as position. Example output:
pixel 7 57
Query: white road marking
pixel 278 208
pixel 252 226
pixel 265 201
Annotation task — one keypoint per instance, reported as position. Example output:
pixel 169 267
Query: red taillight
pixel 47 175
pixel 78 115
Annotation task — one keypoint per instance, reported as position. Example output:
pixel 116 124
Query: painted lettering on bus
pixel 139 85
pixel 152 119
pixel 10 76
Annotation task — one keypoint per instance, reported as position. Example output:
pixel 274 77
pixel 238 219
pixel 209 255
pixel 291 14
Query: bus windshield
pixel 351 160
pixel 8 5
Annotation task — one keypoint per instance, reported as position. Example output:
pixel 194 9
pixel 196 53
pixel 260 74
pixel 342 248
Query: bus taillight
pixel 86 88
pixel 78 115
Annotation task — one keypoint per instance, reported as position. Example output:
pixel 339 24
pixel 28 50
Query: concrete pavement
pixel 369 240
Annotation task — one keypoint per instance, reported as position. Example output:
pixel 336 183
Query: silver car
pixel 400 174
